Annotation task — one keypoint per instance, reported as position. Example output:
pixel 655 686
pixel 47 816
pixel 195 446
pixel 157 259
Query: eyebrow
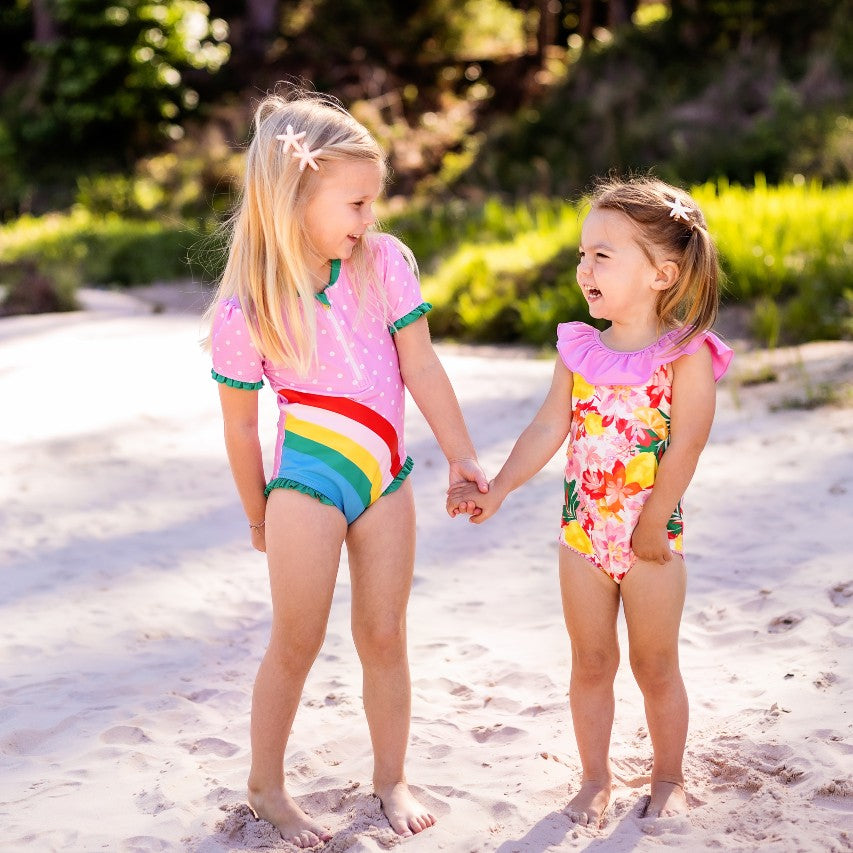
pixel 597 246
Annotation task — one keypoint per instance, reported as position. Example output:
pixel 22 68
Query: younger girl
pixel 637 401
pixel 332 315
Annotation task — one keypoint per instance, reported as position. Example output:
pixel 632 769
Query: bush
pixel 507 273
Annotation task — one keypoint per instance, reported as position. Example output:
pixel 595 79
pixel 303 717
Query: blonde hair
pixel 267 266
pixel 691 302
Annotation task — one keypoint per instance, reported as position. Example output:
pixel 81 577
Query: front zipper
pixel 345 347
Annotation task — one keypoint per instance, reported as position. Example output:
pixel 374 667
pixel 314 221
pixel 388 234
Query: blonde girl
pixel 636 401
pixel 329 312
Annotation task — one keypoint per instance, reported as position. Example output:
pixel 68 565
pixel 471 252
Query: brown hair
pixel 691 302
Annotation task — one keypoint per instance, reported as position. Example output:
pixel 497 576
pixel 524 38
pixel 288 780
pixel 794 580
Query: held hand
pixel 462 496
pixel 462 499
pixel 468 470
pixel 650 542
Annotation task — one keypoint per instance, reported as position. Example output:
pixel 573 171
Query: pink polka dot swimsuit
pixel 340 428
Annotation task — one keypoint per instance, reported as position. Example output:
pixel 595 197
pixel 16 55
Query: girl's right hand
pixel 259 540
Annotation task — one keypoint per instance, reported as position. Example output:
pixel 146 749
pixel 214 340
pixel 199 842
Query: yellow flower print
pixel 642 469
pixel 581 389
pixel 653 419
pixel 592 424
pixel 574 537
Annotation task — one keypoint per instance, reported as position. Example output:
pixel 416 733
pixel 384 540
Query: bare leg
pixel 303 539
pixel 381 548
pixel 653 597
pixel 590 606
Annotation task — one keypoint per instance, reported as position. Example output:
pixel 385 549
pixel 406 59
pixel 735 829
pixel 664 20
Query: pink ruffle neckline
pixel 582 350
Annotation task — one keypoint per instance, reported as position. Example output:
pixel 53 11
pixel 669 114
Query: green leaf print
pixel 570 506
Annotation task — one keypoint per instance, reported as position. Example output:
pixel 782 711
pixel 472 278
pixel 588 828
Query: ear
pixel 665 275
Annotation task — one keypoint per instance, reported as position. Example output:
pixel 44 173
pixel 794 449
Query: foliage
pixel 26 287
pixel 509 273
pixel 100 250
pixel 720 94
pixel 109 85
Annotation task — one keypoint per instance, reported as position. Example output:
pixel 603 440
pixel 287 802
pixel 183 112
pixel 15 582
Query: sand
pixel 133 615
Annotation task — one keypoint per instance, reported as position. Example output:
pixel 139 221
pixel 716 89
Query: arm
pixel 424 375
pixel 693 403
pixel 538 443
pixel 240 416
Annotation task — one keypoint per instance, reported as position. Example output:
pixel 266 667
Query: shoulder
pixel 575 332
pixel 389 252
pixel 705 342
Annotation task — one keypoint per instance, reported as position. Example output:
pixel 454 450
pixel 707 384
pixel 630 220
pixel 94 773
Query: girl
pixel 332 315
pixel 637 401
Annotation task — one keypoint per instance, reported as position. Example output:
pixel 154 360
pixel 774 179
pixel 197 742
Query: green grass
pixel 506 272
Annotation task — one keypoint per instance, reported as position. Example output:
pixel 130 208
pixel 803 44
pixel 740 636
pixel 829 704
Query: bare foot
pixel 587 807
pixel 281 810
pixel 667 800
pixel 405 814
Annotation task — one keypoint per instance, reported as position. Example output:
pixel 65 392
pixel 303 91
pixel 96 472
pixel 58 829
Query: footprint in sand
pixel 497 734
pixel 841 593
pixel 784 623
pixel 212 746
pixel 129 735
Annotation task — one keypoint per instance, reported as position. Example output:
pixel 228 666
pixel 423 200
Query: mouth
pixel 591 293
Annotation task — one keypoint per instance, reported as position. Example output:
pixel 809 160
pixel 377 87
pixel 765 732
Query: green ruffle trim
pixel 285 483
pixel 410 317
pixel 398 480
pixel 236 383
pixel 334 272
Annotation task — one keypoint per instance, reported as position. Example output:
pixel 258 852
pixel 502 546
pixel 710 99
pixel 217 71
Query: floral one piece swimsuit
pixel 621 405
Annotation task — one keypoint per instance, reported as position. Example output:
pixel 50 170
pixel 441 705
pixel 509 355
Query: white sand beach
pixel 133 615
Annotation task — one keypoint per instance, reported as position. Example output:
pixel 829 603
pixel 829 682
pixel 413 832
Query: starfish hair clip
pixel 301 151
pixel 677 210
pixel 306 157
pixel 290 139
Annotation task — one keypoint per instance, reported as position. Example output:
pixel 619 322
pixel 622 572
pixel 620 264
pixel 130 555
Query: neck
pixel 628 337
pixel 319 270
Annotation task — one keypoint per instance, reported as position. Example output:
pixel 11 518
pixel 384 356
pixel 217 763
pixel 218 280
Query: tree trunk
pixel 44 24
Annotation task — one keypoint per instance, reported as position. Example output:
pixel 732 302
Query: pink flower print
pixel 659 388
pixel 615 400
pixel 593 484
pixel 589 455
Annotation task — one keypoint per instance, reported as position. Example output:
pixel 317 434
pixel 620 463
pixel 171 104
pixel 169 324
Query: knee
pixel 295 652
pixel 594 666
pixel 383 642
pixel 655 673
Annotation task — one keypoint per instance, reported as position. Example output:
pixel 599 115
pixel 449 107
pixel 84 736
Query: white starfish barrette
pixel 677 210
pixel 291 139
pixel 306 157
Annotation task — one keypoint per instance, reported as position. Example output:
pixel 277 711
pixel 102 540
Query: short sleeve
pixel 236 362
pixel 405 300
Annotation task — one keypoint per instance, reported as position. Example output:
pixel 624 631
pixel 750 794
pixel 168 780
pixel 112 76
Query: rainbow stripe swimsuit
pixel 340 430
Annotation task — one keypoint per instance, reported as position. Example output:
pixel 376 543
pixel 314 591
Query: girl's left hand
pixel 650 542
pixel 468 471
